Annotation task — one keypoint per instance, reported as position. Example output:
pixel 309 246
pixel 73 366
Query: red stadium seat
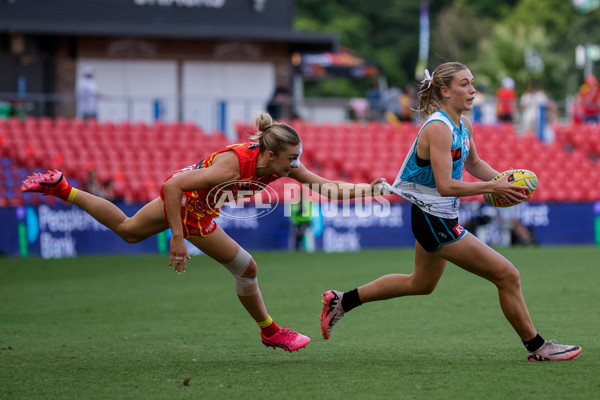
pixel 348 151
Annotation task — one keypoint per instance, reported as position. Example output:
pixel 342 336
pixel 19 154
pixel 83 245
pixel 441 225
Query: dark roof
pixel 234 20
pixel 300 41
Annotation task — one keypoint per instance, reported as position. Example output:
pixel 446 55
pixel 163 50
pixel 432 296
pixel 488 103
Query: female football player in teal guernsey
pixel 431 178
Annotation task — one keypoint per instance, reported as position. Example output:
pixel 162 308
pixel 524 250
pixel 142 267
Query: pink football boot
pixel 286 339
pixel 50 183
pixel 332 311
pixel 551 351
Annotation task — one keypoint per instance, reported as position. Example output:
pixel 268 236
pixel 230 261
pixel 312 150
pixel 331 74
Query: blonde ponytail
pixel 263 121
pixel 273 136
pixel 430 95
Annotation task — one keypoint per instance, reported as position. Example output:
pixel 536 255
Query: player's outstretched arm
pixel 336 190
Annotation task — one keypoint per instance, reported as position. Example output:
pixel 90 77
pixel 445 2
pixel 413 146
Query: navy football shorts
pixel 432 232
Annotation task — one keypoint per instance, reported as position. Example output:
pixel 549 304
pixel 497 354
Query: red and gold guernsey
pixel 200 207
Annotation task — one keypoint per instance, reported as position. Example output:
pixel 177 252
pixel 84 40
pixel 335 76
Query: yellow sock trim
pixel 72 195
pixel 266 323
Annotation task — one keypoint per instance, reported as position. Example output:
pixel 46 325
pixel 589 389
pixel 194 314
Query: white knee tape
pixel 240 263
pixel 246 286
pixel 237 267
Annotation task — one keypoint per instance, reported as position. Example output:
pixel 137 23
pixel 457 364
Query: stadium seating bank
pixel 138 157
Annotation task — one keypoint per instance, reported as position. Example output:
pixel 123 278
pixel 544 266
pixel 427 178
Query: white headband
pixel 428 79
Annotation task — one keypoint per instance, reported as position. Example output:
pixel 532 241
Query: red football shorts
pixel 194 226
pixel 191 223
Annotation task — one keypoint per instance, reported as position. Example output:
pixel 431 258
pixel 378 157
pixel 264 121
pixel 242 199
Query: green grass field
pixel 129 328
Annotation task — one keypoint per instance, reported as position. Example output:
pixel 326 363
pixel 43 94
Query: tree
pixel 381 30
pixel 454 40
pixel 565 28
pixel 488 35
pixel 523 54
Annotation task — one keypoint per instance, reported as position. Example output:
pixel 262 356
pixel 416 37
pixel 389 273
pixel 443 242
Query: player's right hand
pixel 179 254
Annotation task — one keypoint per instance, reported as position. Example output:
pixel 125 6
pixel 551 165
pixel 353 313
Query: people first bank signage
pixel 61 231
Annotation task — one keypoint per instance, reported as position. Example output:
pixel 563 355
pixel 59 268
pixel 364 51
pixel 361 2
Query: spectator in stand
pixel 87 95
pixel 531 104
pixel 506 100
pixel 392 104
pixel 576 109
pixel 360 108
pixel 484 111
pixel 92 184
pixel 408 103
pixel 280 106
pixel 590 99
pixel 376 103
pixel 97 188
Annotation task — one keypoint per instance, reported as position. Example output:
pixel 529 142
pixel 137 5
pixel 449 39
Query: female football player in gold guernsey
pixel 184 205
pixel 431 178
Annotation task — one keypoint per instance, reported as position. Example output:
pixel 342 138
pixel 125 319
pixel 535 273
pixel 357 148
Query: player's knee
pixel 251 271
pixel 422 287
pixel 126 232
pixel 129 236
pixel 241 264
pixel 510 276
pixel 131 239
pixel 425 288
pixel 244 271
